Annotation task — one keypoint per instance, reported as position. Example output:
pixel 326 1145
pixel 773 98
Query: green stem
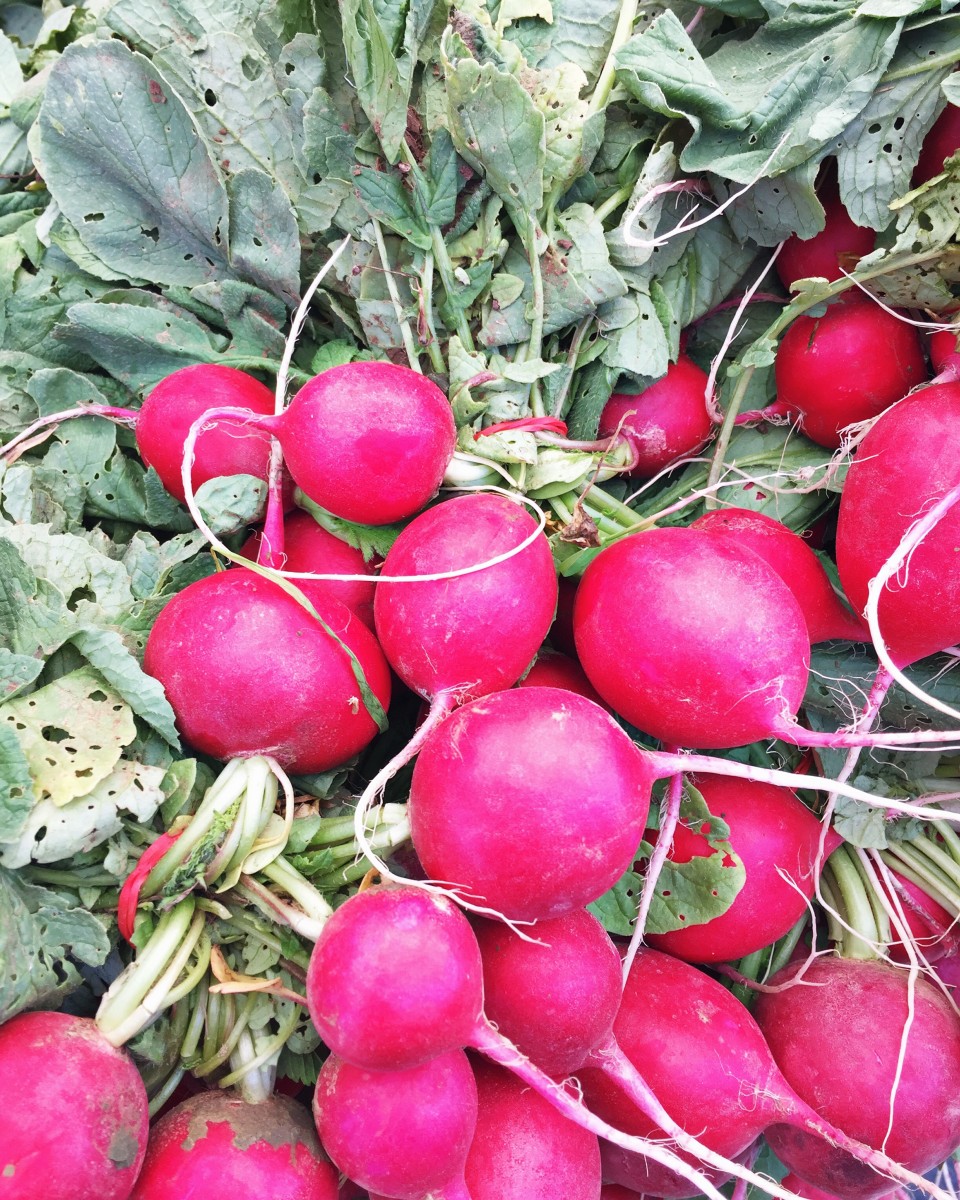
pixel 784 947
pixel 573 353
pixel 607 76
pixel 860 936
pixel 413 356
pixel 270 1051
pixel 612 203
pixel 929 64
pixel 191 1039
pixel 163 1094
pixel 535 340
pixel 433 342
pixel 625 516
pixel 225 1046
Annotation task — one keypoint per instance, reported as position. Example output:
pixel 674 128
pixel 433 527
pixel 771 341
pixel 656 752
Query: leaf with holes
pixel 72 733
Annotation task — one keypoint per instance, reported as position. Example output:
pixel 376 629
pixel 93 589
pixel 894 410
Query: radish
pixel 795 563
pixel 778 841
pixel 553 669
pixel 826 255
pixel 216 1144
pixel 845 366
pixel 862 1010
pixel 524 1149
pixel 806 1191
pixel 249 671
pixel 307 547
pixel 930 925
pixel 404 1134
pixel 74 1111
pixel 942 142
pixel 665 422
pixel 942 345
pixel 368 441
pixel 705 1057
pixel 532 801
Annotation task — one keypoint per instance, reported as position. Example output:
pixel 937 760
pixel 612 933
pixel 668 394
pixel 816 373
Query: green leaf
pixel 32 613
pixel 578 31
pixel 592 389
pixel 373 541
pixel 16 784
pixel 230 502
pixel 41 934
pixel 264 236
pixel 129 169
pixel 773 209
pixel 383 196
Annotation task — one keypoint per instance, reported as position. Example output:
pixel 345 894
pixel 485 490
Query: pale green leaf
pixel 264 237
pixel 16 784
pixel 576 31
pixel 229 502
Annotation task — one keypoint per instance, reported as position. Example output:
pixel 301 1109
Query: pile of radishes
pixel 487 1038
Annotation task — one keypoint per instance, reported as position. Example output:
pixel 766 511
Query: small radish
pixel 826 255
pixel 667 421
pixel 930 925
pixel 553 669
pixel 368 441
pixel 249 671
pixel 307 546
pixel 778 841
pixel 942 142
pixel 838 1042
pixel 845 366
pixel 942 345
pixel 75 1116
pixel 216 1144
pixel 524 1149
pixel 795 563
pixel 403 1134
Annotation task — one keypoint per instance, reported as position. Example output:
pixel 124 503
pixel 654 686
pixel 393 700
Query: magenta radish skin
pixel 840 244
pixel 942 142
pixel 553 669
pixel 307 546
pixel 555 998
pixel 523 1149
pixel 368 441
pixel 908 460
pixel 249 671
pixel 75 1118
pixel 846 366
pixel 533 800
pixel 930 925
pixel 216 1144
pixel 694 641
pixel 228 448
pixel 770 831
pixel 796 564
pixel 475 633
pixel 386 1008
pixel 667 421
pixel 858 1011
pixel 404 1134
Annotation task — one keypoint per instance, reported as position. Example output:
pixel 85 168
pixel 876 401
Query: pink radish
pixel 74 1111
pixel 524 1149
pixel 942 142
pixel 845 366
pixel 860 1011
pixel 249 671
pixel 553 669
pixel 778 841
pixel 532 801
pixel 404 1134
pixel 840 244
pixel 794 562
pixel 930 925
pixel 667 421
pixel 307 546
pixel 943 348
pixel 368 441
pixel 216 1144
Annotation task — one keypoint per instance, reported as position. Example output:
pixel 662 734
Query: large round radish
pixel 693 640
pixel 794 562
pixel 846 366
pixel 663 423
pixel 227 448
pixel 837 1041
pixel 215 1144
pixel 477 632
pixel 249 671
pixel 908 461
pixel 307 546
pixel 404 1134
pixel 837 247
pixel 532 800
pixel 74 1111
pixel 523 1149
pixel 777 839
pixel 368 441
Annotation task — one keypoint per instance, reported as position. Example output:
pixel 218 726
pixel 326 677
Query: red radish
pixel 706 1059
pixel 249 671
pixel 561 631
pixel 942 142
pixel 74 1111
pixel 667 421
pixel 795 563
pixel 532 800
pixel 227 448
pixel 858 1009
pixel 368 441
pixel 553 669
pixel 477 632
pixel 307 546
pixel 943 348
pixel 771 832
pixel 404 1134
pixel 524 1149
pixel 613 1191
pixel 845 366
pixel 826 255
pixel 948 969
pixel 806 1191
pixel 694 641
pixel 215 1144
pixel 930 926
pixel 908 460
